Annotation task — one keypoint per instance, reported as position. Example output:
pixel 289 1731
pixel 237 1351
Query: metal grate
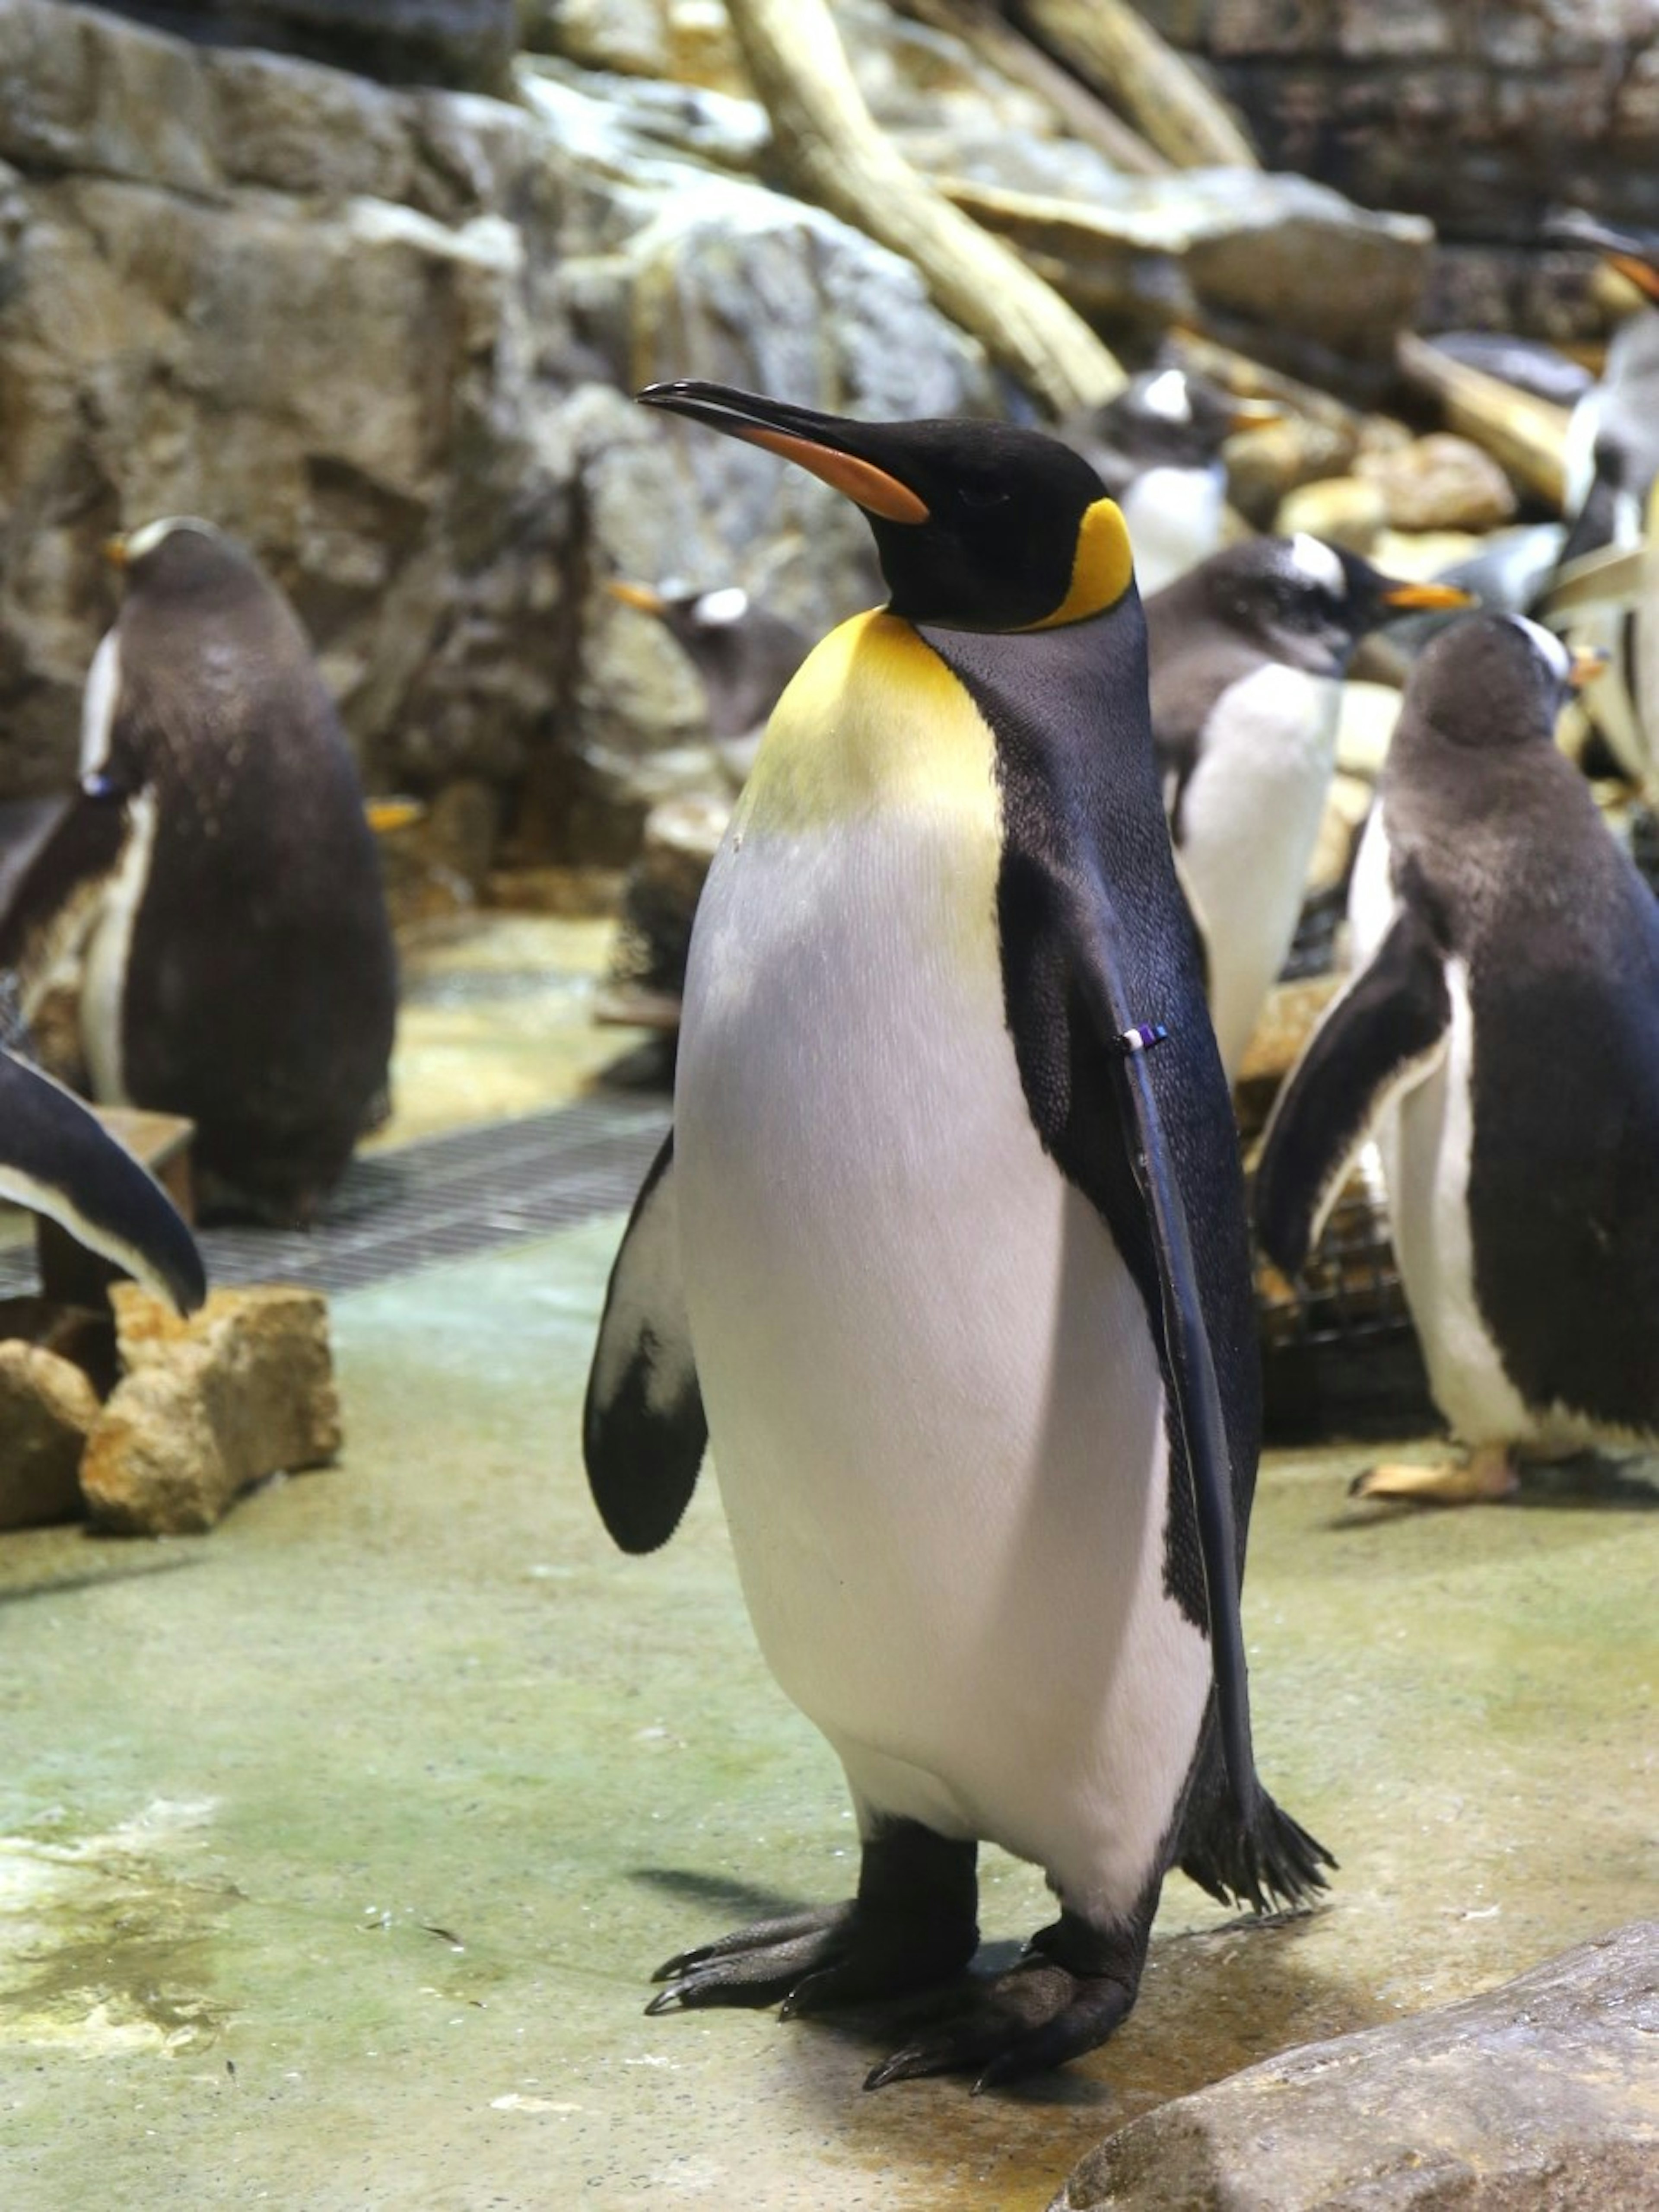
pixel 443 1198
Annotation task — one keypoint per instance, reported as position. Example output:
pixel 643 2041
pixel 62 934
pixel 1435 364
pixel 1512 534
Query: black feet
pixel 1067 1996
pixel 911 1926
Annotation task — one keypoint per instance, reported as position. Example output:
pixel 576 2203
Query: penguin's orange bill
pixel 861 481
pixel 1419 597
pixel 386 815
pixel 634 595
pixel 1586 664
pixel 1642 274
pixel 114 550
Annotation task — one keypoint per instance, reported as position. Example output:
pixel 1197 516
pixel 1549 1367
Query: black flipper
pixel 1088 922
pixel 1385 1032
pixel 57 1158
pixel 643 1429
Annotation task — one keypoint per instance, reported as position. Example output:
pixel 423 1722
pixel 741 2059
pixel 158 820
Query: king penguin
pixel 238 967
pixel 57 1158
pixel 1249 651
pixel 1157 449
pixel 1501 1034
pixel 946 1256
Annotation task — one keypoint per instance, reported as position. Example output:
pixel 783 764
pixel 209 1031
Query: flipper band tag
pixel 1141 1037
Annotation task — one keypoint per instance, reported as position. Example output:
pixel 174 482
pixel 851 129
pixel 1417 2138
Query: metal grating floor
pixel 441 1199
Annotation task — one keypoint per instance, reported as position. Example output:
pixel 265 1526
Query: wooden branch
pixel 1251 379
pixel 1012 55
pixel 1526 435
pixel 824 138
pixel 1111 47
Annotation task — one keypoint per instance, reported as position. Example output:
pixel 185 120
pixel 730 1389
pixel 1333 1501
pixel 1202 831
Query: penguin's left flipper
pixel 1385 1034
pixel 57 1158
pixel 644 1432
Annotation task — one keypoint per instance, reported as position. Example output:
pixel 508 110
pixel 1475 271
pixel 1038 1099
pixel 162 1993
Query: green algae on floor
pixel 448 1776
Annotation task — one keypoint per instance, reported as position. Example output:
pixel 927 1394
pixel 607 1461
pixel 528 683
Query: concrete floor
pixel 335 1847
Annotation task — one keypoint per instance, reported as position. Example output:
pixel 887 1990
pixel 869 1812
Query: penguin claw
pixel 1029 2021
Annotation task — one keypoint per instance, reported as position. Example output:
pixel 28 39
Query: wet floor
pixel 335 1847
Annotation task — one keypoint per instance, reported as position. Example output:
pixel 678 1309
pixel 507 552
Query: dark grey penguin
pixel 57 1159
pixel 946 1256
pixel 1157 449
pixel 743 650
pixel 1501 1035
pixel 238 962
pixel 1248 652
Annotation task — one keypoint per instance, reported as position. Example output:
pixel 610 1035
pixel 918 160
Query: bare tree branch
pixel 1110 47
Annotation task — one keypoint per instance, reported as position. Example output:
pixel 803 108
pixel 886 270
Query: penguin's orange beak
pixel 1642 274
pixel 634 595
pixel 1587 663
pixel 1417 598
pixel 814 442
pixel 114 550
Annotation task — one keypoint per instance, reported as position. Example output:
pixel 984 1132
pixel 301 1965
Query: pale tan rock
pixel 1346 805
pixel 1364 728
pixel 243 1389
pixel 48 1410
pixel 1343 510
pixel 1441 482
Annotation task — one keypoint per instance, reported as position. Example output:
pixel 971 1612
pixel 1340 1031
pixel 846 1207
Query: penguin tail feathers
pixel 1273 1864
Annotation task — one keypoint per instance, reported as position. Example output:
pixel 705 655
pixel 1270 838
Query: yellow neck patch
pixel 873 720
pixel 1102 570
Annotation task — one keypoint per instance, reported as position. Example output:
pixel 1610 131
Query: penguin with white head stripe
pixel 1500 1035
pixel 1248 651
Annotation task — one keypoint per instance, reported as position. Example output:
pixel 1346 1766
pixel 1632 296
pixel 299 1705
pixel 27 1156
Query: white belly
pixel 1249 819
pixel 934 1398
pixel 109 949
pixel 1174 519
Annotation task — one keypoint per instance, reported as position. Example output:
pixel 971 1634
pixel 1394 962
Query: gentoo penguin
pixel 1612 462
pixel 1157 449
pixel 1501 1034
pixel 743 651
pixel 1248 655
pixel 56 1158
pixel 238 967
pixel 945 1255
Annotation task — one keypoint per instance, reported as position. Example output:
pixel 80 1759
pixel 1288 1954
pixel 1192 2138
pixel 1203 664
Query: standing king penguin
pixel 1249 651
pixel 1501 1032
pixel 238 961
pixel 946 1254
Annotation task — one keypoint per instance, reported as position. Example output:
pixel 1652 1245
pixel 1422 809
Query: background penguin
pixel 1248 655
pixel 1612 462
pixel 1502 1033
pixel 1157 449
pixel 238 962
pixel 56 1158
pixel 984 1403
pixel 743 651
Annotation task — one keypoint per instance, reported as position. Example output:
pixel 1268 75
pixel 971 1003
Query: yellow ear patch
pixel 1102 566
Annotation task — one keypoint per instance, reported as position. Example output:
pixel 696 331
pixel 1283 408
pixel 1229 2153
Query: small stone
pixel 242 1389
pixel 1265 465
pixel 47 1411
pixel 1343 510
pixel 1536 2097
pixel 1286 1022
pixel 1440 483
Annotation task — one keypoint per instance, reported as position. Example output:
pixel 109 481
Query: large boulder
pixel 465 43
pixel 1537 2097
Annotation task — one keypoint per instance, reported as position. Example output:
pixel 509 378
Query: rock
pixel 1364 728
pixel 1439 482
pixel 48 1410
pixel 1346 805
pixel 243 1389
pixel 1536 2097
pixel 465 43
pixel 1345 510
pixel 1265 466
pixel 659 897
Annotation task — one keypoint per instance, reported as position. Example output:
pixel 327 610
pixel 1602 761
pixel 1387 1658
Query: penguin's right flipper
pixel 1382 1036
pixel 643 1428
pixel 57 1158
pixel 48 891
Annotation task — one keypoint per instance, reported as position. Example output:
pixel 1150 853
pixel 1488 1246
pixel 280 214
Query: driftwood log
pixel 1528 435
pixel 824 138
pixel 1109 44
pixel 1004 49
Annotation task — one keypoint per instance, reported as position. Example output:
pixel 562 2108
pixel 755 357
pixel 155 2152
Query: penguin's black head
pixel 1634 254
pixel 978 526
pixel 182 557
pixel 1494 682
pixel 1303 602
pixel 1166 418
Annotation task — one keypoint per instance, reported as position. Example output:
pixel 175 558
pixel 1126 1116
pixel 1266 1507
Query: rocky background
pixel 371 290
